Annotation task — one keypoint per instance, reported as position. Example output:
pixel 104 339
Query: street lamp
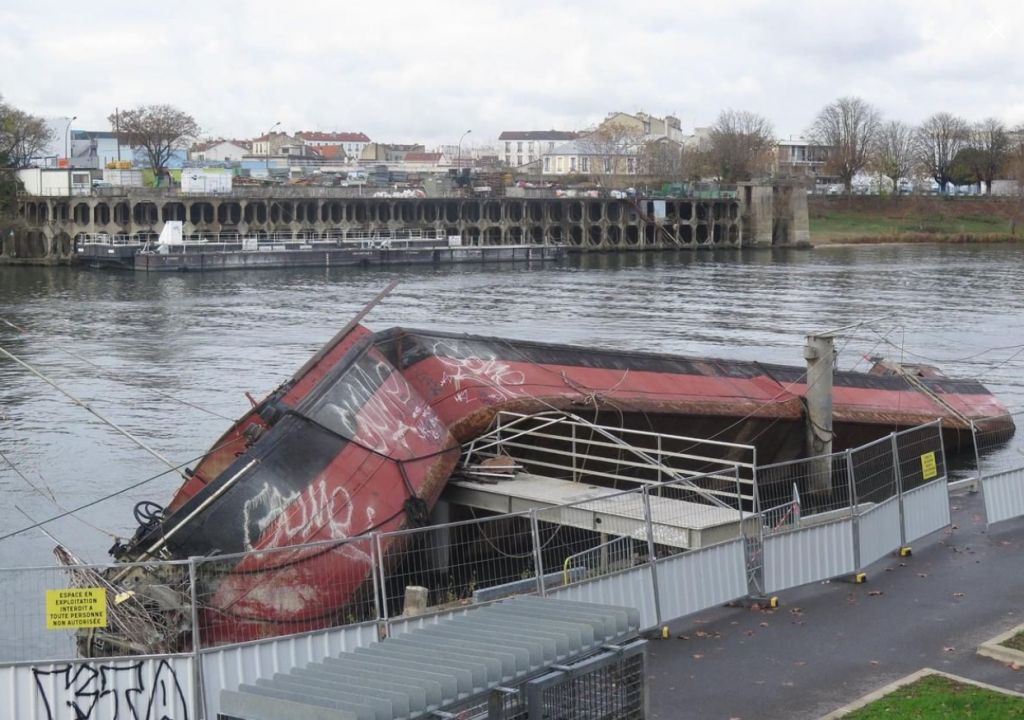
pixel 267 162
pixel 458 162
pixel 67 134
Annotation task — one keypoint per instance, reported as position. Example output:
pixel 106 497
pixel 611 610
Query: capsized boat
pixel 364 437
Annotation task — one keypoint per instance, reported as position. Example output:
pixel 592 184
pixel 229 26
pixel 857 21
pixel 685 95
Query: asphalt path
pixel 828 644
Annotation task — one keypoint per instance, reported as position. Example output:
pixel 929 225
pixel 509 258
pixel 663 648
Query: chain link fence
pixel 791 493
pixel 998 444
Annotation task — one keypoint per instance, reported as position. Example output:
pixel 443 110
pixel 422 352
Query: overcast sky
pixel 427 70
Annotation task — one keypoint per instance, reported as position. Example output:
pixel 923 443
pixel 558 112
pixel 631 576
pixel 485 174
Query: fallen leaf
pixel 798 622
pixel 903 564
pixel 955 507
pixel 749 633
pixel 958 594
pixel 922 574
pixel 755 607
pixel 682 637
pixel 800 662
pixel 889 569
pixel 874 593
pixel 796 611
pixel 949 649
pixel 701 634
pixel 1014 666
pixel 697 657
pixel 874 662
pixel 764 624
pixel 787 684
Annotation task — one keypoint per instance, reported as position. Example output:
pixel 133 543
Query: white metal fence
pixel 999 456
pixel 662 547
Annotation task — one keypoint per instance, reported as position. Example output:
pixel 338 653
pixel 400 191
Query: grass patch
pixel 937 698
pixel 1016 642
pixel 839 223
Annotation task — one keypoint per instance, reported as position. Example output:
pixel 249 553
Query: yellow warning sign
pixel 76 608
pixel 928 467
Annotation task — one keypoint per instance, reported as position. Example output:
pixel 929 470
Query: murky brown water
pixel 207 339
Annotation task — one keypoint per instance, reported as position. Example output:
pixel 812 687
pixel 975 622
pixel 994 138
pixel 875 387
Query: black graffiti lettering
pixel 89 691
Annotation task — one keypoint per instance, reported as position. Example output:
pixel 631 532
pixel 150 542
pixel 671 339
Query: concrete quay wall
pixel 51 224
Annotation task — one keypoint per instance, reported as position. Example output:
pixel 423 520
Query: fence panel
pixel 1004 495
pixel 630 588
pixel 135 687
pixel 879 531
pixel 791 493
pixel 807 555
pixel 700 579
pixel 998 445
pixel 230 666
pixel 925 509
pixel 459 563
pixel 72 611
pixel 285 591
pixel 921 456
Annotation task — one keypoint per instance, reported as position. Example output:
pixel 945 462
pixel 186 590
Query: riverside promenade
pixel 828 644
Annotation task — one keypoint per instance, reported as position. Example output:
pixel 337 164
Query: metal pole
pixel 373 572
pixel 383 615
pixel 653 555
pixel 897 471
pixel 853 510
pixel 977 456
pixel 199 697
pixel 538 559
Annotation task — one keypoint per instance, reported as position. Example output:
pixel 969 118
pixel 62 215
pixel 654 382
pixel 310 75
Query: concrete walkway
pixel 829 643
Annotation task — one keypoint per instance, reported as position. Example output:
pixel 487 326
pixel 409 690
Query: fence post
pixel 977 455
pixel 383 615
pixel 899 487
pixel 753 548
pixel 854 510
pixel 376 580
pixel 198 696
pixel 652 554
pixel 538 559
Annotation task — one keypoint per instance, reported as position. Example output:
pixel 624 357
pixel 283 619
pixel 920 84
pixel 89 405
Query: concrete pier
pixel 581 224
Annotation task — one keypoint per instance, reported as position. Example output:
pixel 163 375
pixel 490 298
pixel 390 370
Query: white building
pixel 522 147
pixel 219 151
pixel 352 142
pixel 585 157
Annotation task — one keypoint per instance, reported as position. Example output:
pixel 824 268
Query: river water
pixel 207 339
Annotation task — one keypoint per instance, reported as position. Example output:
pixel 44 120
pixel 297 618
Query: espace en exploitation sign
pixel 76 608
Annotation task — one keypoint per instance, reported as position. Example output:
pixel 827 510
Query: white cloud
pixel 426 71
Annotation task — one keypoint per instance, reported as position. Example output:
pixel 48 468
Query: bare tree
pixel 666 159
pixel 893 153
pixel 1015 171
pixel 846 130
pixel 158 130
pixel 992 143
pixel 22 136
pixel 739 145
pixel 939 140
pixel 608 149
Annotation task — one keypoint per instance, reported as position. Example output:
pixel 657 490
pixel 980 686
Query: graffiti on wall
pixel 112 691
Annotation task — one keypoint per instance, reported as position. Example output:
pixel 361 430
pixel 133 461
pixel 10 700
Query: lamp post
pixel 458 163
pixel 67 135
pixel 266 163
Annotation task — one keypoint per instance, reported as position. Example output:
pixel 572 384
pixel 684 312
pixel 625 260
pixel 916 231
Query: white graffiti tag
pixel 378 408
pixel 475 370
pixel 296 518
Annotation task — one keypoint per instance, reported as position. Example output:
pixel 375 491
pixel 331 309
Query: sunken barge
pixel 365 436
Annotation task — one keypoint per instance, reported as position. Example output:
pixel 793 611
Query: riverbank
pixel 878 220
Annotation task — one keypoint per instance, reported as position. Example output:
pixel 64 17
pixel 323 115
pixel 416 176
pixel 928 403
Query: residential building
pixel 332 155
pixel 522 147
pixel 589 155
pixel 220 150
pixel 352 142
pixel 798 157
pixel 425 162
pixel 271 143
pixel 645 125
pixel 377 153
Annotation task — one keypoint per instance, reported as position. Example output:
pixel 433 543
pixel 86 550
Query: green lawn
pixel 939 698
pixel 839 223
pixel 1016 642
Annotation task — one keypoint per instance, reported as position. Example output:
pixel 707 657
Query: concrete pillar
pixel 416 600
pixel 800 230
pixel 820 355
pixel 762 214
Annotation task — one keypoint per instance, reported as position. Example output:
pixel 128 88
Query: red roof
pixel 333 137
pixel 423 157
pixel 331 152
